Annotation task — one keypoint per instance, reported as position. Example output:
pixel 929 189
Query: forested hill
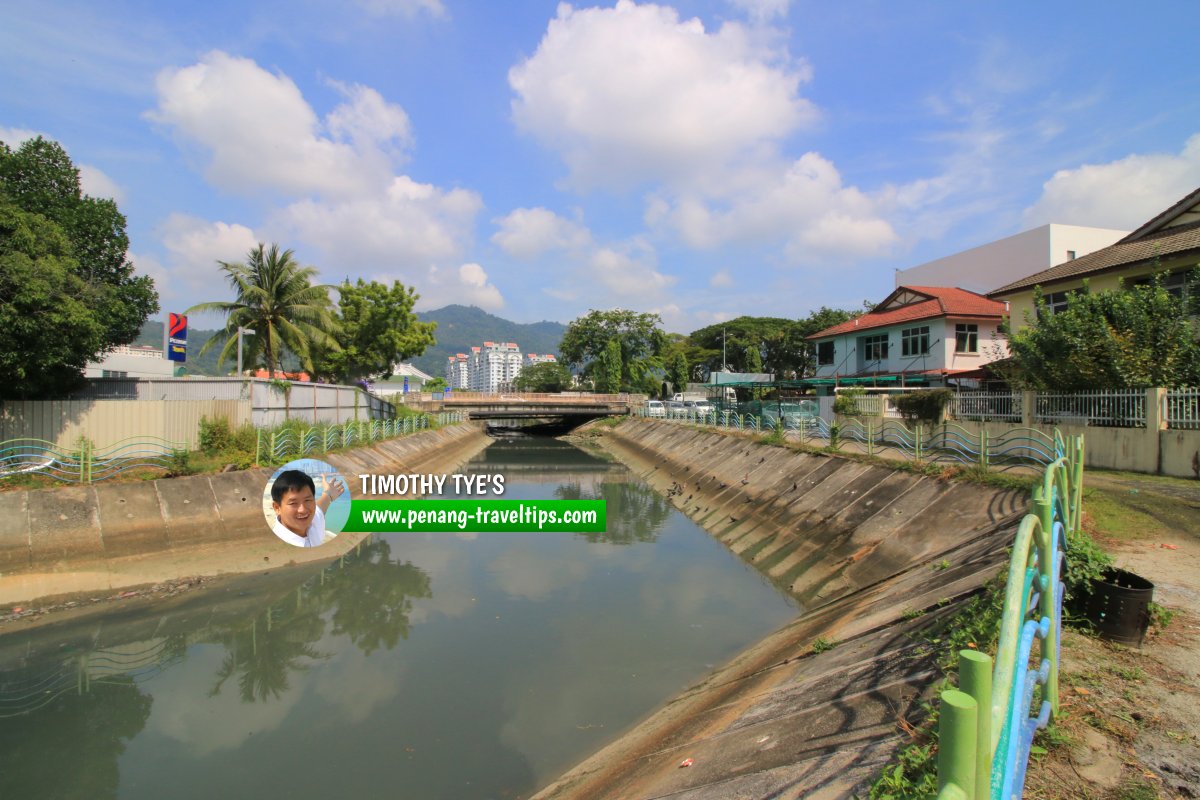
pixel 461 327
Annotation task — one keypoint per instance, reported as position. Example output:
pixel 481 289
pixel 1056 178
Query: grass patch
pixel 1117 518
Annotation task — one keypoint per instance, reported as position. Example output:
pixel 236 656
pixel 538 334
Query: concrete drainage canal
pixel 498 665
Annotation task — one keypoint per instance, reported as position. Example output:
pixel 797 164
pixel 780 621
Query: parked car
pixel 655 408
pixel 675 409
pixel 697 406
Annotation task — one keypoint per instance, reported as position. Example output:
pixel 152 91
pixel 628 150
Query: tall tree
pixel 548 376
pixel 276 299
pixel 639 336
pixel 677 371
pixel 68 291
pixel 1136 337
pixel 376 328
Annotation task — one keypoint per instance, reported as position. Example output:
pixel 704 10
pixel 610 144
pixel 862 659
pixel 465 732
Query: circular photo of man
pixel 306 502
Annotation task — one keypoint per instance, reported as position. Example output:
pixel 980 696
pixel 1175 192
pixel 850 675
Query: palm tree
pixel 277 300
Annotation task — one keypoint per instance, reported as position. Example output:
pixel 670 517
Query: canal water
pixel 419 666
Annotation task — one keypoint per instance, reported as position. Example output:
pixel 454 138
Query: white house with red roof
pixel 919 335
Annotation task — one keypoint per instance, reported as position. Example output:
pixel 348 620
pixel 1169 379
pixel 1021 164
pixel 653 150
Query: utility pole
pixel 239 335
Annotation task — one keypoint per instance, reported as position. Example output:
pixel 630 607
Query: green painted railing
pixel 943 443
pixel 86 463
pixel 280 444
pixel 987 724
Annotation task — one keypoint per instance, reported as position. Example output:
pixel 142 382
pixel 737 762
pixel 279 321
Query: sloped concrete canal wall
pixel 874 556
pixel 108 536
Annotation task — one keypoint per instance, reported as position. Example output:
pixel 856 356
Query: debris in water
pixel 687 762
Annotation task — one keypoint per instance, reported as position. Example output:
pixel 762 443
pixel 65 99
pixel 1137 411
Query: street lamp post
pixel 240 332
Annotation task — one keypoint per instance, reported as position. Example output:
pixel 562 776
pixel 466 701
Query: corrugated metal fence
pixel 109 410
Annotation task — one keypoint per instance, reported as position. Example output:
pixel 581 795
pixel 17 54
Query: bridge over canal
pixel 570 409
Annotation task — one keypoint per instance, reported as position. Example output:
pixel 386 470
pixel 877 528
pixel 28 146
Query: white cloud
pixel 468 285
pixel 188 273
pixel 403 8
pixel 345 202
pixel 527 233
pixel 261 134
pixel 633 93
pixel 805 205
pixel 1121 194
pixel 95 183
pixel 721 280
pixel 13 137
pixel 407 227
pixel 761 10
pixel 628 275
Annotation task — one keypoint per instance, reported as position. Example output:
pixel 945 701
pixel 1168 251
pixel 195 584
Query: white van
pixel 655 408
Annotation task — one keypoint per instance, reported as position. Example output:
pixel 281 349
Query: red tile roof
pixel 941 301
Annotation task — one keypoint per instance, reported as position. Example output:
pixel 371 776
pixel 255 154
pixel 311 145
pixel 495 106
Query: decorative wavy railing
pixel 944 443
pixel 86 463
pixel 281 444
pixel 987 724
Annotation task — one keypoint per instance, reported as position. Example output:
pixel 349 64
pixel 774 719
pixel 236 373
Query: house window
pixel 875 348
pixel 1056 302
pixel 824 354
pixel 114 373
pixel 966 338
pixel 1176 284
pixel 914 341
pixel 1070 255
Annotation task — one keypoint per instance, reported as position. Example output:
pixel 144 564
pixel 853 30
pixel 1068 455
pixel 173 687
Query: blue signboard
pixel 177 337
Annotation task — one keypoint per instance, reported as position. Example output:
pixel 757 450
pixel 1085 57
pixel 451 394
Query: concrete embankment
pixel 111 536
pixel 874 555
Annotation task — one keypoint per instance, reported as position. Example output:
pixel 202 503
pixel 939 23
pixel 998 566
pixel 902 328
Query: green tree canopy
pixel 548 376
pixel 376 328
pixel 67 290
pixel 1132 337
pixel 639 336
pixel 779 343
pixel 276 299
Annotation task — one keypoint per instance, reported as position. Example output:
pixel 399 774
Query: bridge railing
pixel 583 398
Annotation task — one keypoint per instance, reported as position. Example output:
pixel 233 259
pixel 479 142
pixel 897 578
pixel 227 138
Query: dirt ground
pixel 1130 722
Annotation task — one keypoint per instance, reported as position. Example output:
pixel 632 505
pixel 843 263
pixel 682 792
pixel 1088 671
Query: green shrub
pixel 846 402
pixel 926 405
pixel 180 464
pixel 1085 562
pixel 215 435
pixel 245 439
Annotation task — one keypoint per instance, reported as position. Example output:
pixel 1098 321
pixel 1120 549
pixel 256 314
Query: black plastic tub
pixel 1119 606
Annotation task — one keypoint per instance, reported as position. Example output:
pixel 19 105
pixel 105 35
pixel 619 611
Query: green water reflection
pixel 420 665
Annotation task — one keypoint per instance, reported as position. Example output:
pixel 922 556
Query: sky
pixel 701 160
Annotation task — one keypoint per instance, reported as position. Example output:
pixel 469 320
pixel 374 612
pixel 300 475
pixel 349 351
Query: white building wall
pixel 990 266
pixel 942 349
pixel 125 363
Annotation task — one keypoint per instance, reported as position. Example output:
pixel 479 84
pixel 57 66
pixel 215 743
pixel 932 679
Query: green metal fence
pixel 879 437
pixel 987 724
pixel 86 463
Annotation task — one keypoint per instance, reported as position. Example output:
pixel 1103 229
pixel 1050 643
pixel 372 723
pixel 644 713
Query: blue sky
pixel 702 160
